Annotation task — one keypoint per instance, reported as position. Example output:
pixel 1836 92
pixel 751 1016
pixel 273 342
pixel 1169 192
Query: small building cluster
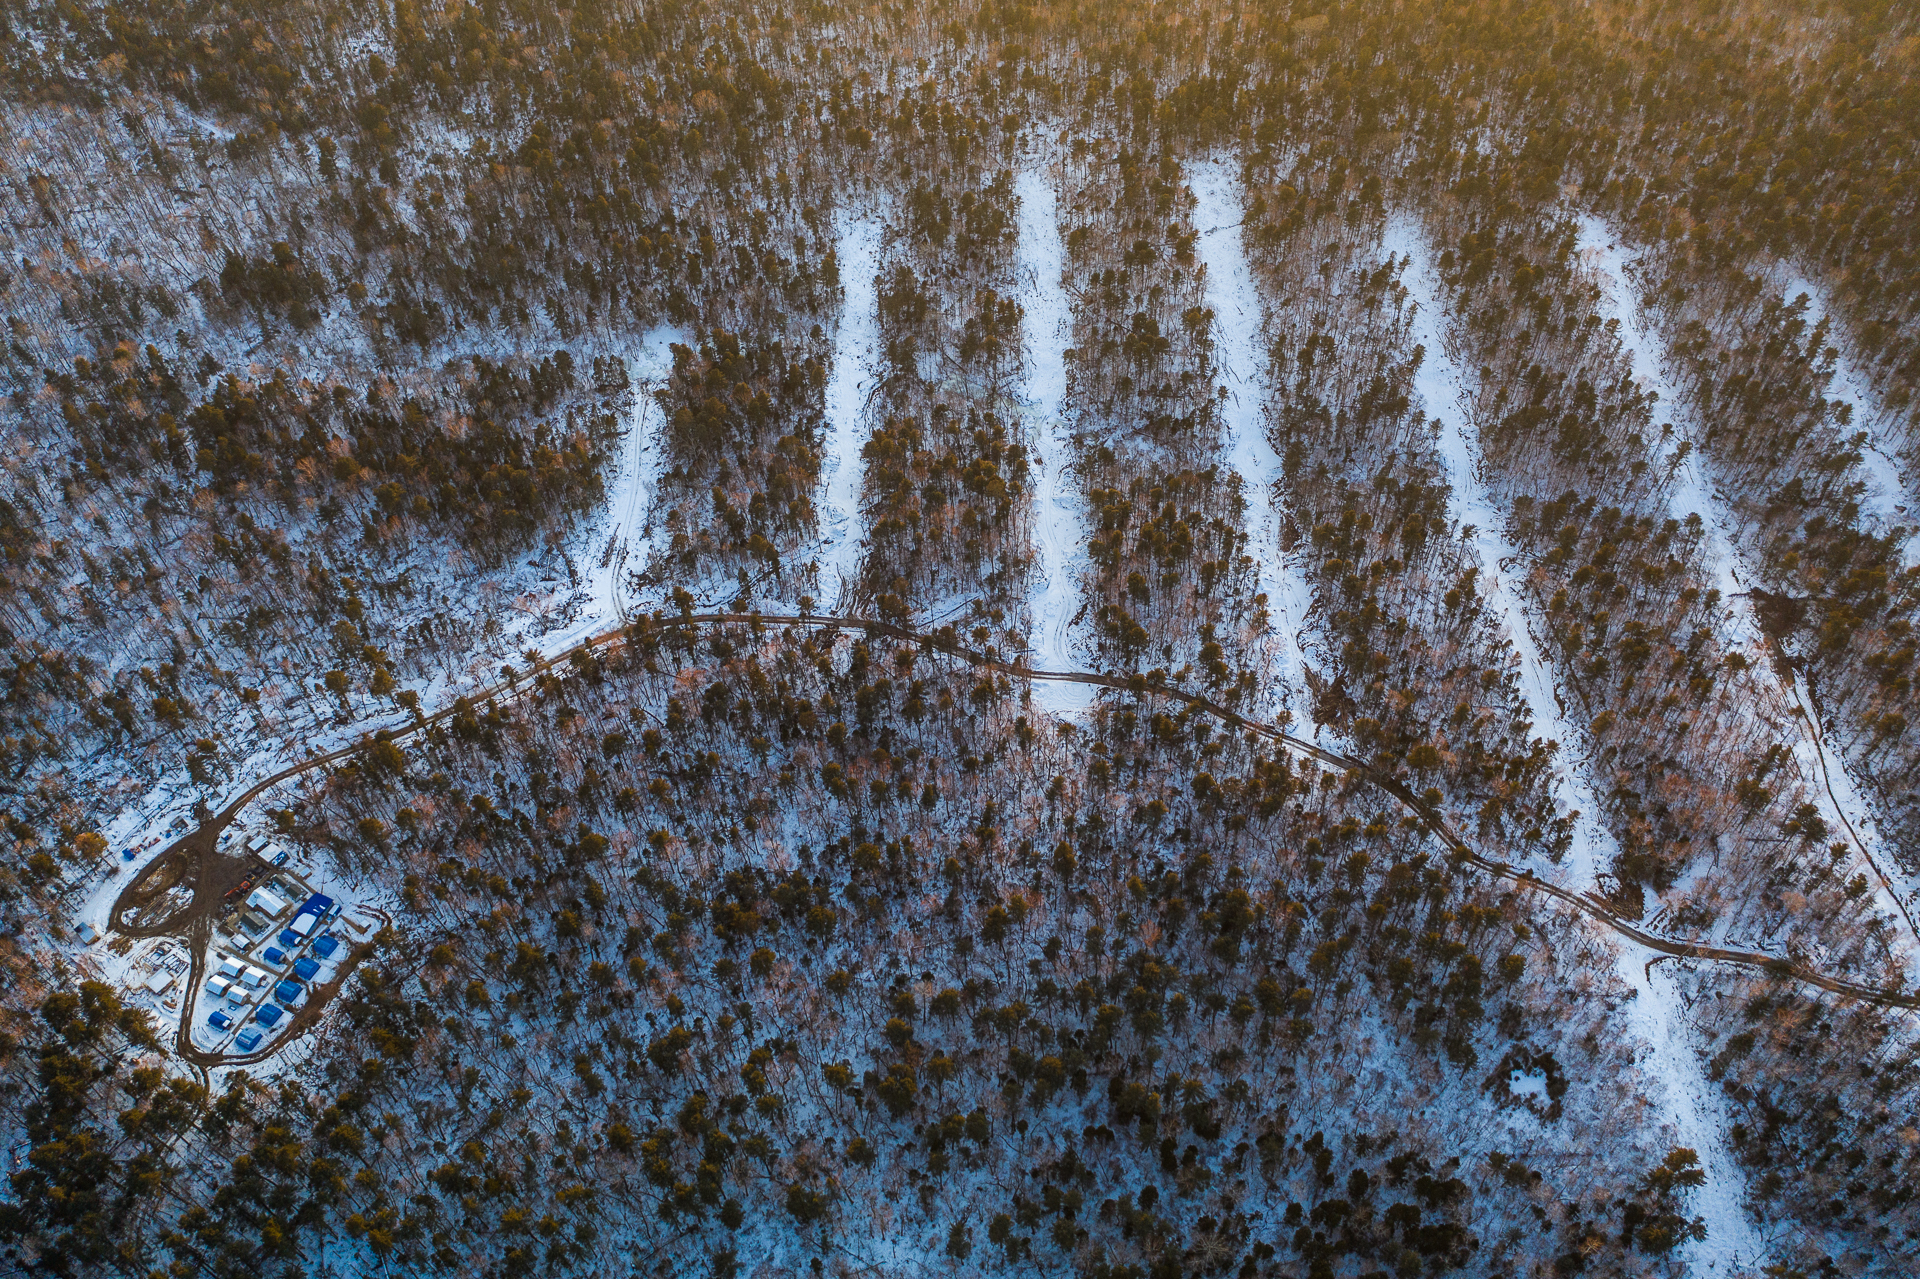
pixel 274 947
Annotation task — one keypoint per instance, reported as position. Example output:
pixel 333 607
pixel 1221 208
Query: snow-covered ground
pixel 1060 527
pixel 1443 390
pixel 1825 771
pixel 151 824
pixel 855 343
pixel 1693 1104
pixel 1604 254
pixel 1886 499
pixel 1824 764
pixel 1237 319
pixel 634 492
pixel 607 544
pixel 1683 1094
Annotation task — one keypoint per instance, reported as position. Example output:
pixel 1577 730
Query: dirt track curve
pixel 212 872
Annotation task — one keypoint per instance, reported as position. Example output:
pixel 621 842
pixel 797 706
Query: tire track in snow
pixel 1689 1101
pixel 1242 367
pixel 1603 253
pixel 1060 527
pixel 856 338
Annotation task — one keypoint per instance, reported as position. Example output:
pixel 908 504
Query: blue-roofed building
pixel 274 955
pixel 326 945
pixel 287 992
pixel 304 969
pixel 318 904
pixel 268 1014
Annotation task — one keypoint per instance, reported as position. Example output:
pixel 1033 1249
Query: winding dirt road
pixel 212 872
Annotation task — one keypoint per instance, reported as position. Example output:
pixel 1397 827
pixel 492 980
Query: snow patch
pixel 1528 1085
pixel 1603 254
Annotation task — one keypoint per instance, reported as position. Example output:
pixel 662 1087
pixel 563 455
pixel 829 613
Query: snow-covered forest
pixel 683 636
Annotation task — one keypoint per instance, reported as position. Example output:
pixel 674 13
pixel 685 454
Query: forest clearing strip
pixel 857 254
pixel 1137 684
pixel 1696 495
pixel 1809 717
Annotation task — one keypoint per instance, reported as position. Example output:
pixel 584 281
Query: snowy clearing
pixel 1693 1104
pixel 855 340
pixel 1841 805
pixel 634 493
pixel 1689 1102
pixel 1603 253
pixel 1242 363
pixel 1060 530
pixel 1887 499
pixel 1443 390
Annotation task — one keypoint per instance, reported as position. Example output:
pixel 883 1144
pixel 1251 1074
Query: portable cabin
pixel 219 986
pixel 231 969
pixel 266 901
